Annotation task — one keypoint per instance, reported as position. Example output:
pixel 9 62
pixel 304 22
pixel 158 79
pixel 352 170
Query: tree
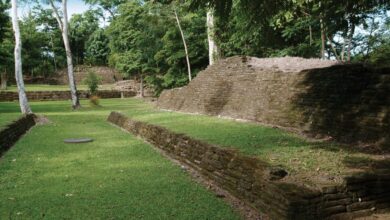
pixel 184 44
pixel 63 24
pixel 23 102
pixel 129 40
pixel 6 44
pixel 214 53
pixel 4 18
pixel 299 27
pixel 6 61
pixel 82 26
pixel 34 50
pixel 111 6
pixel 145 42
pixel 97 48
pixel 53 47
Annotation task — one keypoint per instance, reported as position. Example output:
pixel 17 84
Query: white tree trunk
pixel 72 83
pixel 64 29
pixel 23 102
pixel 185 46
pixel 213 47
pixel 350 39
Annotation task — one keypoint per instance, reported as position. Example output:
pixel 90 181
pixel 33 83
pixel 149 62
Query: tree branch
pixel 57 15
pixel 333 48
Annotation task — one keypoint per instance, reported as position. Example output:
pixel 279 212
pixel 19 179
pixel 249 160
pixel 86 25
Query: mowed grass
pixel 115 177
pixel 297 155
pixel 41 87
pixel 5 119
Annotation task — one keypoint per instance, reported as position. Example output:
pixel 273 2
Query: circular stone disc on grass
pixel 78 140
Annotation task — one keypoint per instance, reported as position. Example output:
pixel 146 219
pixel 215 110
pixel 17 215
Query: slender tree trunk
pixel 3 80
pixel 213 47
pixel 23 102
pixel 370 36
pixel 64 29
pixel 350 39
pixel 311 35
pixel 342 55
pixel 333 48
pixel 141 89
pixel 323 39
pixel 72 83
pixel 185 46
pixel 54 54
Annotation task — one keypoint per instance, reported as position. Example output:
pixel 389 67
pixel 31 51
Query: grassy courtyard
pixel 301 158
pixel 115 177
pixel 121 176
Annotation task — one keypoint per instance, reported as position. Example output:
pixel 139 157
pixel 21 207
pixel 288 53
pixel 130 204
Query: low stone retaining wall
pixel 261 185
pixel 61 95
pixel 12 132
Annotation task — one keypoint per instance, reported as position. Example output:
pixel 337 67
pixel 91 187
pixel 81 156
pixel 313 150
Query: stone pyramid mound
pixel 323 98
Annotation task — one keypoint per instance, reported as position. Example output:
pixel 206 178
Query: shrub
pixel 94 100
pixel 92 81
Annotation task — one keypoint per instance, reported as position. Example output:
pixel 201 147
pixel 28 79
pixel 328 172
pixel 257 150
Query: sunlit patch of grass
pixel 273 145
pixel 115 177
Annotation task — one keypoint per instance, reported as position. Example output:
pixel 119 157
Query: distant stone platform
pixel 62 95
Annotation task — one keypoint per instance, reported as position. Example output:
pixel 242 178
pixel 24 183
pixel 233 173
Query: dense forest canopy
pixel 143 38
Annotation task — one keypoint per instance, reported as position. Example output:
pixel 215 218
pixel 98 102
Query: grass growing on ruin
pixel 270 144
pixel 39 87
pixel 115 177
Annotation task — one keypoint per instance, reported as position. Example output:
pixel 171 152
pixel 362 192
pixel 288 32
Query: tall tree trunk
pixel 23 102
pixel 350 39
pixel 323 39
pixel 3 79
pixel 72 83
pixel 213 47
pixel 342 55
pixel 185 46
pixel 333 48
pixel 54 54
pixel 141 86
pixel 64 29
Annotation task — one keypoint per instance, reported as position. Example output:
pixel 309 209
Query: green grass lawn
pixel 297 155
pixel 40 87
pixel 115 177
pixel 303 159
pixel 7 118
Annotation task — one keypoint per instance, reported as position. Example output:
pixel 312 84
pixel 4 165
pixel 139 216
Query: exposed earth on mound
pixel 289 64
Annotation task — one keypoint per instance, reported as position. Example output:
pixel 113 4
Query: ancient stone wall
pixel 62 95
pixel 107 74
pixel 12 132
pixel 350 103
pixel 261 185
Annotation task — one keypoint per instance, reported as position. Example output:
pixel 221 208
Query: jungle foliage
pixel 141 38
